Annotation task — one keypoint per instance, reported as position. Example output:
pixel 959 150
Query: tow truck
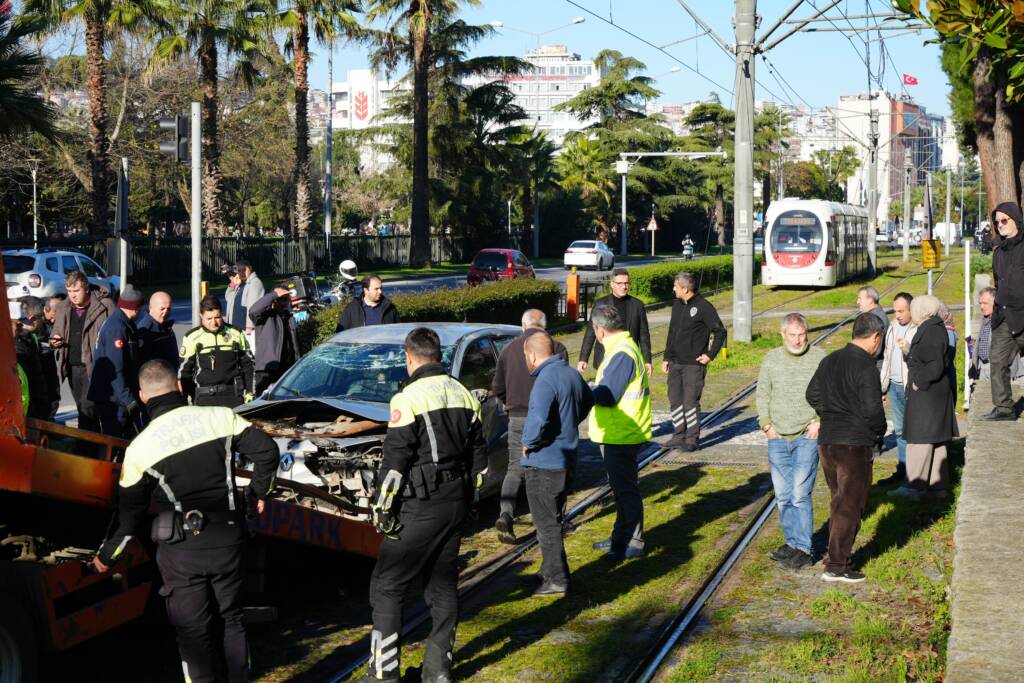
pixel 58 498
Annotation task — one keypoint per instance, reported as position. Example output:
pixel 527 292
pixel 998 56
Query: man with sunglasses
pixel 631 310
pixel 1008 313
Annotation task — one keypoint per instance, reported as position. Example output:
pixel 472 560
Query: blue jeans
pixel 898 401
pixel 794 466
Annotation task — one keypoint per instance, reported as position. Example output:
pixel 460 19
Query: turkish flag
pixel 909 80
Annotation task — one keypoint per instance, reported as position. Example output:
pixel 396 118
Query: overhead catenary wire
pixel 652 45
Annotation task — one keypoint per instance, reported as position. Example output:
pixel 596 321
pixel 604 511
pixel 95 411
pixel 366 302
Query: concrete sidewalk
pixel 987 636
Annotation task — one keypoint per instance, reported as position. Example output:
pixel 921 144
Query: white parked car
pixel 589 254
pixel 43 271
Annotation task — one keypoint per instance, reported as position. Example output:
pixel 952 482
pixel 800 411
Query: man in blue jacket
pixel 157 340
pixel 114 381
pixel 559 401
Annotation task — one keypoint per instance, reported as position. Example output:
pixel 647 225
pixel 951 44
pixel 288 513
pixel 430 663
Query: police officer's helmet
pixel 348 270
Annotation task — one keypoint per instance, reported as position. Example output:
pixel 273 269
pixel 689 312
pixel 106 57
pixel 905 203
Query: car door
pixel 96 275
pixel 476 372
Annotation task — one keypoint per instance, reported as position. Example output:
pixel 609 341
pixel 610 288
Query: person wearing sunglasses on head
pixel 1008 314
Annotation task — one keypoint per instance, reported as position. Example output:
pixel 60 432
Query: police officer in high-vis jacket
pixel 621 424
pixel 183 460
pixel 217 368
pixel 434 460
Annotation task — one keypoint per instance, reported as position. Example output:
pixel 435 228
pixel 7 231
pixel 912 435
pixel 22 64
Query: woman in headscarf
pixel 930 420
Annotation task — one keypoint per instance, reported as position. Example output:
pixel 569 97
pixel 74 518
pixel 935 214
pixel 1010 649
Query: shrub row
pixel 498 302
pixel 654 283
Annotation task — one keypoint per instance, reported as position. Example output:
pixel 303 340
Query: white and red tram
pixel 814 243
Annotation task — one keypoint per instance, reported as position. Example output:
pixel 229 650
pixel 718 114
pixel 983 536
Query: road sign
pixel 653 225
pixel 931 254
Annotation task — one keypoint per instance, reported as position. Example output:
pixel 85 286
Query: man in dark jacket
pixel 26 352
pixel 33 312
pixel 559 401
pixel 631 310
pixel 76 327
pixel 277 346
pixel 512 384
pixel 695 336
pixel 1008 314
pixel 113 385
pixel 156 332
pixel 846 393
pixel 372 308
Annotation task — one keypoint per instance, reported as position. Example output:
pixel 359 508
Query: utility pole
pixel 950 232
pixel 908 167
pixel 329 162
pixel 622 168
pixel 197 210
pixel 873 187
pixel 743 203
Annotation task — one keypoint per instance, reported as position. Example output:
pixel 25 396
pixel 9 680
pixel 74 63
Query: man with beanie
pixel 1008 313
pixel 113 385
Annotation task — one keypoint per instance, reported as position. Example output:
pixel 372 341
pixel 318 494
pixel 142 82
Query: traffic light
pixel 178 147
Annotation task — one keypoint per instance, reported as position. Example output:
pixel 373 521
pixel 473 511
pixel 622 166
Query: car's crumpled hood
pixel 260 408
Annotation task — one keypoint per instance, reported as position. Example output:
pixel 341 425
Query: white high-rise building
pixel 558 75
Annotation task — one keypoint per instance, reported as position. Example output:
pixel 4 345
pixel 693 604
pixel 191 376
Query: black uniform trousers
pixel 546 491
pixel 78 381
pixel 226 396
pixel 202 592
pixel 427 548
pixel 685 385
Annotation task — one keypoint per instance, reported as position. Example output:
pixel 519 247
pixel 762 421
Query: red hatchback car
pixel 499 264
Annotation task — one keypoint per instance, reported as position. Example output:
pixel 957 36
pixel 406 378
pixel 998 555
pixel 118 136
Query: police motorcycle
pixel 687 248
pixel 344 288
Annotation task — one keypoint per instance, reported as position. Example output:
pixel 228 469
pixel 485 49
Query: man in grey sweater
pixel 791 426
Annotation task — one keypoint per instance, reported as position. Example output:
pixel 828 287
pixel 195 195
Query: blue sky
pixel 817 66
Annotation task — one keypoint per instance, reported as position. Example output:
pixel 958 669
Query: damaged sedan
pixel 329 412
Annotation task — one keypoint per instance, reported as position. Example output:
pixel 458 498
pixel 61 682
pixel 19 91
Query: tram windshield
pixel 796 232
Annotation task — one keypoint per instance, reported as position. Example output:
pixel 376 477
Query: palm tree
pixel 205 27
pixel 101 18
pixel 585 167
pixel 21 111
pixel 329 19
pixel 535 170
pixel 415 19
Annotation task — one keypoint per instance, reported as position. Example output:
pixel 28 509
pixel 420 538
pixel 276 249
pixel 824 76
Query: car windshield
pixel 796 232
pixel 350 371
pixel 581 245
pixel 486 260
pixel 18 264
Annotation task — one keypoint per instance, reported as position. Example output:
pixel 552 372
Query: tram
pixel 814 243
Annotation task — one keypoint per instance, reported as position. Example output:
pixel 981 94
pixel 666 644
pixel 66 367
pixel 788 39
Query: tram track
pixel 647 667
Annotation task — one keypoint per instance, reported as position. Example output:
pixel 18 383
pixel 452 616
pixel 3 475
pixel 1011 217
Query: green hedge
pixel 654 283
pixel 498 302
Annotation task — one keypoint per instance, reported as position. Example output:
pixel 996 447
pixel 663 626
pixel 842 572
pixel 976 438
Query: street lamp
pixel 510 217
pixel 537 34
pixel 35 205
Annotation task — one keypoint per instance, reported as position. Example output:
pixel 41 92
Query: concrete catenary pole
pixel 329 162
pixel 873 190
pixel 908 168
pixel 197 210
pixel 743 202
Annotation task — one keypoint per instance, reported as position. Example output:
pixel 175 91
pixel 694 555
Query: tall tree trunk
pixel 212 214
pixel 996 163
pixel 303 211
pixel 720 214
pixel 419 29
pixel 766 194
pixel 99 144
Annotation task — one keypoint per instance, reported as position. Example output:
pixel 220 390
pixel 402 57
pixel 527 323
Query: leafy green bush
pixel 654 283
pixel 498 302
pixel 980 263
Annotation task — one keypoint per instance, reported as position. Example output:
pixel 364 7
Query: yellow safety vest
pixel 629 421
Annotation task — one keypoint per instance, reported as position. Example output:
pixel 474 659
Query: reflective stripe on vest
pixel 629 421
